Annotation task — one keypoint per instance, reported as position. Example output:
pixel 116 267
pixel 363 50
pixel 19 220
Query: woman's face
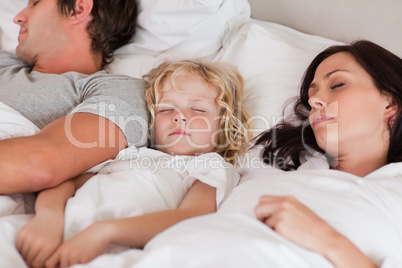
pixel 348 112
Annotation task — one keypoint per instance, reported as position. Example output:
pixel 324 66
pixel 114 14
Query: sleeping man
pixel 84 114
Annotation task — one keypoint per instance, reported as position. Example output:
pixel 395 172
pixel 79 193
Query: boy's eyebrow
pixel 191 100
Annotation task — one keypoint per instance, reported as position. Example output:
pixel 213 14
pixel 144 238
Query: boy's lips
pixel 179 132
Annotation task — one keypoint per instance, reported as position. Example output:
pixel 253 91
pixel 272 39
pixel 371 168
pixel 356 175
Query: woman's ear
pixel 82 11
pixel 391 111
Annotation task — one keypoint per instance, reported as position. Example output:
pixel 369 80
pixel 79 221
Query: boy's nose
pixel 177 119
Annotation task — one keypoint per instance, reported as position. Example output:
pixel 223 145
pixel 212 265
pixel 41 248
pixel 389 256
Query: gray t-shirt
pixel 43 98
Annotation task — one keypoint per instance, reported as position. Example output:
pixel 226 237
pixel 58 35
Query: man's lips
pixel 179 132
pixel 320 118
pixel 21 32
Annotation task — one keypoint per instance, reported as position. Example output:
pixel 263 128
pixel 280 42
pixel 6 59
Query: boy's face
pixel 187 118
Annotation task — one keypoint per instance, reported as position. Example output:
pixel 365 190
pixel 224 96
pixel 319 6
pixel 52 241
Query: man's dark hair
pixel 112 26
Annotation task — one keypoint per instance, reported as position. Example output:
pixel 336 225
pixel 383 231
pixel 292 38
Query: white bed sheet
pixel 13 124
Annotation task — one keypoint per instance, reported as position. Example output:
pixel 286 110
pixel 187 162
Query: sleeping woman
pixel 350 104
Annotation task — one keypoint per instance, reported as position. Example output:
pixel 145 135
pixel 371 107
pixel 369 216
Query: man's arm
pixel 63 149
pixel 41 236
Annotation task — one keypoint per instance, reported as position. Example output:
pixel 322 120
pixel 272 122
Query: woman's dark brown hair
pixel 290 141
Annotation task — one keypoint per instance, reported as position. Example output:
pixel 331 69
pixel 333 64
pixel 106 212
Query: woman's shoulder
pixel 315 160
pixel 251 164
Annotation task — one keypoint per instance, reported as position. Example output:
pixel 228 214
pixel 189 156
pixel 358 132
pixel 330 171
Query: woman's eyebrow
pixel 327 76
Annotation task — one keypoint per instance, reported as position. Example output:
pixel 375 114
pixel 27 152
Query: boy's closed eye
pixel 199 110
pixel 165 108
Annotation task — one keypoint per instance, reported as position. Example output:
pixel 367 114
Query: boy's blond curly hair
pixel 228 83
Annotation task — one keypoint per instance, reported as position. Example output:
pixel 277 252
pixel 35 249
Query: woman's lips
pixel 320 118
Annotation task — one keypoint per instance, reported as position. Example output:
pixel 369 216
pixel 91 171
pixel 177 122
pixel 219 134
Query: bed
pixel 271 42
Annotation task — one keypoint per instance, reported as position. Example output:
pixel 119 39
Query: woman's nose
pixel 317 101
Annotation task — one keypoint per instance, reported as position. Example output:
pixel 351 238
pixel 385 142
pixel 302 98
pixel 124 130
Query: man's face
pixel 42 30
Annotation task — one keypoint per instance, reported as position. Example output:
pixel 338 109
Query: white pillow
pixel 178 29
pixel 8 29
pixel 272 59
pixel 184 27
pixel 199 24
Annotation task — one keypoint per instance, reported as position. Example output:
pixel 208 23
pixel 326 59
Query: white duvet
pixel 13 124
pixel 366 210
pixel 143 180
pixel 13 207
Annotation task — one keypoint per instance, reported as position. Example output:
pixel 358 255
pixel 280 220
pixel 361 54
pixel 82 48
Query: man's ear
pixel 391 111
pixel 82 11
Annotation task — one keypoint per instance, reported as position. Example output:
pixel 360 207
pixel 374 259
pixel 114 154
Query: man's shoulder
pixel 8 59
pixel 107 75
pixel 8 54
pixel 114 79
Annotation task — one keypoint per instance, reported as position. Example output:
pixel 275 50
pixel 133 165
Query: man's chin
pixel 18 52
pixel 22 55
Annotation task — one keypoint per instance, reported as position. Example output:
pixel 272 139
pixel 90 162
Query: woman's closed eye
pixel 35 3
pixel 338 85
